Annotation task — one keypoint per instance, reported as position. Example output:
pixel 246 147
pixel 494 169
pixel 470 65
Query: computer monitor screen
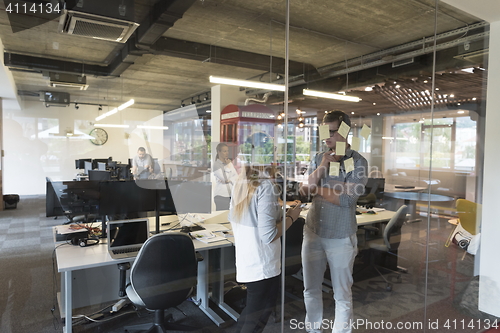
pixel 123 172
pixel 101 166
pixel 191 196
pixel 98 160
pixel 125 197
pixel 127 233
pixel 80 164
pixel 99 175
pixel 88 166
pixel 375 186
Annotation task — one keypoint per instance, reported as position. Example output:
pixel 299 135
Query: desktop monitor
pixel 101 166
pixel 375 186
pixel 98 160
pixel 123 172
pixel 191 196
pixel 80 164
pixel 125 197
pixel 99 175
pixel 88 167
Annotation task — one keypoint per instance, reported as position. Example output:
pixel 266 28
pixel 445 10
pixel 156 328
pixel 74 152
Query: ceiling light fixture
pixel 76 106
pixel 323 94
pixel 100 107
pixel 111 125
pixel 198 100
pixel 192 100
pixel 153 127
pixel 115 110
pixel 182 104
pixel 206 97
pixel 246 83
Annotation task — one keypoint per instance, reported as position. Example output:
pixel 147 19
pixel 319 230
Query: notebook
pixel 126 237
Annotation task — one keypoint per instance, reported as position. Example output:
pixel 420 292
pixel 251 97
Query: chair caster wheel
pixel 388 287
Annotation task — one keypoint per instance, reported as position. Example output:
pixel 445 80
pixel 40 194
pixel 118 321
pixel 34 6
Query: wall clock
pixel 99 135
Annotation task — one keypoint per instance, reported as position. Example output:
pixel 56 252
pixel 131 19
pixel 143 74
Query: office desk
pixel 367 219
pixel 72 258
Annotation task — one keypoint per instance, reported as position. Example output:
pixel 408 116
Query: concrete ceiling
pixel 334 46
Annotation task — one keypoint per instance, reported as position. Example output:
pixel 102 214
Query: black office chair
pixel 293 247
pixel 383 252
pixel 163 276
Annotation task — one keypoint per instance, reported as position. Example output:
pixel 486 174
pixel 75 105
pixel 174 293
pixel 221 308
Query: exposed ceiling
pixel 334 46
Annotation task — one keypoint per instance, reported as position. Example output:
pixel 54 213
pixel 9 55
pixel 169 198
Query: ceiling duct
pixel 52 98
pixel 63 80
pixel 89 18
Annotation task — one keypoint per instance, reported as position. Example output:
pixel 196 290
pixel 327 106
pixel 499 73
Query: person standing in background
pixel 225 177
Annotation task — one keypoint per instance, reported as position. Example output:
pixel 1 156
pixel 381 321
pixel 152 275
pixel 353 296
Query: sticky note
pixel 324 132
pixel 340 148
pixel 334 169
pixel 349 165
pixel 355 144
pixel 344 129
pixel 366 131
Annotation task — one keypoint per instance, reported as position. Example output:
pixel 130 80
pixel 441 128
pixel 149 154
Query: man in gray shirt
pixel 330 230
pixel 142 164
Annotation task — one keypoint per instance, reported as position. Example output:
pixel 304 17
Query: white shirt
pixel 222 173
pixel 257 255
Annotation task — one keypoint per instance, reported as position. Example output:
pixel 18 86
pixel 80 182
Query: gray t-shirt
pixel 141 164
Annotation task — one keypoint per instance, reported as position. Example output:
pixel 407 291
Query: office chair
pixel 163 276
pixel 384 251
pixel 467 214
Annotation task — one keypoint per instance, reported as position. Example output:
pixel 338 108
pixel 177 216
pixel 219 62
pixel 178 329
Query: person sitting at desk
pixel 255 219
pixel 142 164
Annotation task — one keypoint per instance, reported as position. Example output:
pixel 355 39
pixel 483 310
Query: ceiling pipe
pixel 263 100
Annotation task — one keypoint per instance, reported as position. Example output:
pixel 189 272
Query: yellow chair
pixel 468 214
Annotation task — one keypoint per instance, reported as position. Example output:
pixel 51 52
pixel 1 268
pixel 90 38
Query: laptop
pixel 126 237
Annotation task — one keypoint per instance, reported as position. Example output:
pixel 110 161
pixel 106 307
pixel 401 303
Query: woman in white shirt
pixel 225 176
pixel 255 217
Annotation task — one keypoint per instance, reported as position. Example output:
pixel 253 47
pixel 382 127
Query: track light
pixel 206 97
pixel 198 100
pixel 183 104
pixel 192 100
pixel 76 106
pixel 100 107
pixel 301 124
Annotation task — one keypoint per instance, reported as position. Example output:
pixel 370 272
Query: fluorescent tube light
pixel 323 94
pixel 153 127
pixel 246 83
pixel 115 110
pixel 111 125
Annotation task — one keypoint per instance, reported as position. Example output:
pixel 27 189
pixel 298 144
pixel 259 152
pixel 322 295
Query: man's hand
pixel 294 211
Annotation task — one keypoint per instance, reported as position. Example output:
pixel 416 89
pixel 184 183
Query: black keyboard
pixel 128 250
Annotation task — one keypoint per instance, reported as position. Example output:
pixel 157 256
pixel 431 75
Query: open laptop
pixel 126 237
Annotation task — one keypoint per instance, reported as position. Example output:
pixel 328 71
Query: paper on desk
pixel 344 129
pixel 214 227
pixel 67 229
pixel 206 236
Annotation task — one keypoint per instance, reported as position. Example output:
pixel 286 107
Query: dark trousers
pixel 221 203
pixel 261 300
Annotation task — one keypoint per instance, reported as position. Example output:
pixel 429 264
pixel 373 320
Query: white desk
pixel 72 258
pixel 366 219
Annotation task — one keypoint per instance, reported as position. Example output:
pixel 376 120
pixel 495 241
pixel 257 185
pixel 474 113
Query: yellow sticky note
pixel 340 148
pixel 324 132
pixel 366 131
pixel 344 129
pixel 355 144
pixel 334 169
pixel 349 165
